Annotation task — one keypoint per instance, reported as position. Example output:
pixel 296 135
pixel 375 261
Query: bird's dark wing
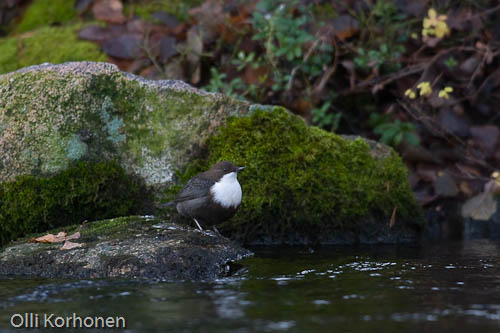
pixel 195 188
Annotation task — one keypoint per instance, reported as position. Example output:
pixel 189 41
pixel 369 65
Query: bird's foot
pixel 217 231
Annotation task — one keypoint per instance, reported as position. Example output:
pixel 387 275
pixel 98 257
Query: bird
pixel 211 197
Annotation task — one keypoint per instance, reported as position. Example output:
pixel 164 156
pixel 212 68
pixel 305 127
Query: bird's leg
pixel 217 231
pixel 199 226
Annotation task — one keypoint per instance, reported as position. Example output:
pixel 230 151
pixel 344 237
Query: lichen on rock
pixel 92 111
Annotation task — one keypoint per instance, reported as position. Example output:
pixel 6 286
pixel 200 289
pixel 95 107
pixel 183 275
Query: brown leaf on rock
pixel 51 238
pixel 70 245
pixel 76 235
pixel 110 11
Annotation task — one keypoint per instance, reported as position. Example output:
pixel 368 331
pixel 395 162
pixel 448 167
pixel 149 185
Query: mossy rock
pixel 85 191
pixel 146 8
pixel 53 117
pixel 46 13
pixel 47 44
pixel 302 184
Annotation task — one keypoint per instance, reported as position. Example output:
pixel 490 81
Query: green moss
pixel 306 180
pixel 48 44
pixel 146 9
pixel 83 192
pixel 45 13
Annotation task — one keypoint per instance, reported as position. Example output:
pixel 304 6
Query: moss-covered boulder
pixel 54 115
pixel 81 141
pixel 302 184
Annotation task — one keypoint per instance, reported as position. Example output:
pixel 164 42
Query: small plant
pixel 393 133
pixel 243 60
pixel 383 56
pixel 450 62
pixel 287 42
pixel 218 84
pixel 322 118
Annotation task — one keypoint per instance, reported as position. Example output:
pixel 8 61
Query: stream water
pixel 438 287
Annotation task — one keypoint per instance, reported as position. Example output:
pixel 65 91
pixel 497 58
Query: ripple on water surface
pixel 446 286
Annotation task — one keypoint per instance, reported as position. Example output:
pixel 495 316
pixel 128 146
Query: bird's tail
pixel 168 204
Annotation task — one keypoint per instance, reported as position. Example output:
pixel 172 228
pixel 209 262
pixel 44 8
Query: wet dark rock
pixel 132 247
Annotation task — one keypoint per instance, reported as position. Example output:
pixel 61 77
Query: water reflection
pixel 443 286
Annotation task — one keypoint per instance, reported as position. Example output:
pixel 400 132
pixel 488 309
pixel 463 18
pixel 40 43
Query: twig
pixel 318 89
pixel 304 59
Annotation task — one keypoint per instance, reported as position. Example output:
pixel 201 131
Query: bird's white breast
pixel 227 191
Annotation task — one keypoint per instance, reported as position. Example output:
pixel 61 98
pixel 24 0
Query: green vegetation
pixel 45 13
pixel 393 132
pixel 303 179
pixel 146 9
pixel 83 192
pixel 283 37
pixel 47 44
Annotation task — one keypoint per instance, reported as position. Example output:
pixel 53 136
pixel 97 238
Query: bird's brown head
pixel 225 167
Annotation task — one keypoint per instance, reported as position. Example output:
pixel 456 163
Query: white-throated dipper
pixel 211 197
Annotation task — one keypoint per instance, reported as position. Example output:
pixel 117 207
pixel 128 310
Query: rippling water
pixel 441 287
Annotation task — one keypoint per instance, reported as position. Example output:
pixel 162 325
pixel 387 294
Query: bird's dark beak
pixel 240 169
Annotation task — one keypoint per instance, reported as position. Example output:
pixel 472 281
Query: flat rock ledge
pixel 128 247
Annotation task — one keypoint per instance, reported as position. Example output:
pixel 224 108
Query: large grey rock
pixel 53 115
pixel 132 247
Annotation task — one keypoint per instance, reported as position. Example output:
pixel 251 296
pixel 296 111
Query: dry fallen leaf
pixel 76 235
pixel 68 245
pixel 51 238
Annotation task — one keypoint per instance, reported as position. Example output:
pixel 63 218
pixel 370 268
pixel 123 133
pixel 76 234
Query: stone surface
pixel 131 247
pixel 53 115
